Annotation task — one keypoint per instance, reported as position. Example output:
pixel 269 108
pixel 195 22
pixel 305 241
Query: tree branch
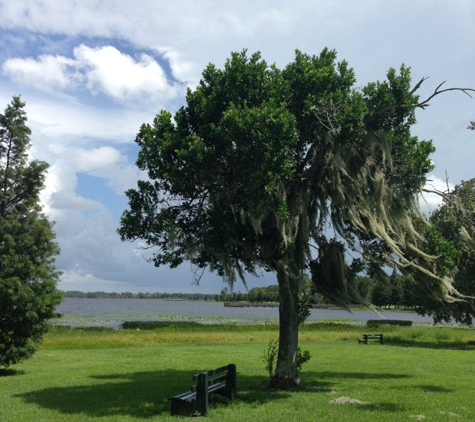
pixel 424 104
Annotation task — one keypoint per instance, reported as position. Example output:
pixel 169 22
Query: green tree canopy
pixel 262 164
pixel 449 234
pixel 28 277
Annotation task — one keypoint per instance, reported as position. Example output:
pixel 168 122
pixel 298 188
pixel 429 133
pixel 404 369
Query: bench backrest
pixel 214 375
pixel 224 375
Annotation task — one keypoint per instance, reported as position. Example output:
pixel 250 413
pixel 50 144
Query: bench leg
pixel 175 407
pixel 181 407
pixel 231 381
pixel 202 396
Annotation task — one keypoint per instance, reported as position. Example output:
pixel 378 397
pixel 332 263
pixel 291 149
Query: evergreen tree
pixel 28 277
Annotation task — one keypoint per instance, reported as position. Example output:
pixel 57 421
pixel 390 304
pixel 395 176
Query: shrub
pixel 378 322
pixel 270 356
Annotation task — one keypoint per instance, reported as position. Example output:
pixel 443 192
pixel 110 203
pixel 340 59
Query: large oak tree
pixel 283 170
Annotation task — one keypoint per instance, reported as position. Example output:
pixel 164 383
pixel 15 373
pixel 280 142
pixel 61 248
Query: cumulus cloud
pixel 46 71
pixel 182 69
pixel 121 77
pixel 60 125
pixel 96 158
pixel 103 70
pixel 104 162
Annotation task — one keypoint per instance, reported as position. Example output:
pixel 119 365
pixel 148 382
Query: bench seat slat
pixel 215 387
pixel 187 396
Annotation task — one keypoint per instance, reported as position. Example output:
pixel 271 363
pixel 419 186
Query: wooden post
pixel 202 398
pixel 231 381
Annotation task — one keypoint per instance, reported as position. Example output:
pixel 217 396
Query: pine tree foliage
pixel 28 276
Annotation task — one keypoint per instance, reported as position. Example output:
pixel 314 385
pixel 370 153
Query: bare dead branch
pixel 418 85
pixel 437 91
pixel 425 103
pixel 197 274
pixel 447 181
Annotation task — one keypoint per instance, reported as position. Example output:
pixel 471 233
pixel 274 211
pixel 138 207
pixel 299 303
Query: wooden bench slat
pixel 187 396
pixel 212 372
pixel 367 337
pixel 217 379
pixel 215 387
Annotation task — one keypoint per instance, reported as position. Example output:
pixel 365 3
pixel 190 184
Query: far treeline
pixel 129 295
pixel 398 293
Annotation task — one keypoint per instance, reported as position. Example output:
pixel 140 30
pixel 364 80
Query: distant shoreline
pixel 264 305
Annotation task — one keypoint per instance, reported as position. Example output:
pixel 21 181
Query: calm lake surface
pixel 112 312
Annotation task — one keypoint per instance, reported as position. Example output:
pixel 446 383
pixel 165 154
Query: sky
pixel 92 71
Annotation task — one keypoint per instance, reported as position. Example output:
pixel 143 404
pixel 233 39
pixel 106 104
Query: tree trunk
pixel 286 374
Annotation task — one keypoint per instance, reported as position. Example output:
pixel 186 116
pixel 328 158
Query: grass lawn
pixel 128 375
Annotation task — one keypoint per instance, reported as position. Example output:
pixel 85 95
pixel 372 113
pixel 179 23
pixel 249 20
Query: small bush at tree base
pixel 302 357
pixel 270 356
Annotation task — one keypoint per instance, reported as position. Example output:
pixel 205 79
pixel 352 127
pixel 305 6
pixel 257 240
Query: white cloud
pixel 74 280
pixel 120 76
pixel 45 72
pixel 96 158
pixel 182 70
pixel 61 180
pixel 101 70
pixel 107 163
pixel 52 16
pixel 59 125
pixel 65 201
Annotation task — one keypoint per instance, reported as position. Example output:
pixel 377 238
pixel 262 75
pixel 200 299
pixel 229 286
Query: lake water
pixel 112 312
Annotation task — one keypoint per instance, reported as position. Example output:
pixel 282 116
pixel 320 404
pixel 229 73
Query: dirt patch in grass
pixel 348 400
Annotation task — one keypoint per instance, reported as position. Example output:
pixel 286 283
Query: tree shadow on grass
pixel 385 406
pixel 8 372
pixel 145 394
pixel 312 382
pixel 428 388
pixel 443 345
pixel 138 394
pixel 360 375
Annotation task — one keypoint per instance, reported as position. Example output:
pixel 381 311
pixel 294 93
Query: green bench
pixel 371 337
pixel 221 380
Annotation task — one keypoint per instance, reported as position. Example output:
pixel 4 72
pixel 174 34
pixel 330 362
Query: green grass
pixel 110 375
